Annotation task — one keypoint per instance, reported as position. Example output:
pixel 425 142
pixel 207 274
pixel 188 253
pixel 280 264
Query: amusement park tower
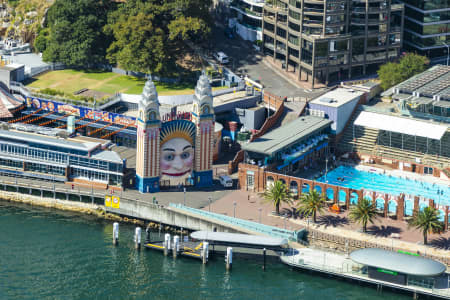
pixel 148 140
pixel 203 118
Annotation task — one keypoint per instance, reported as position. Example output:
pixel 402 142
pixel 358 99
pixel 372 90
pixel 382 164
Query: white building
pixel 247 18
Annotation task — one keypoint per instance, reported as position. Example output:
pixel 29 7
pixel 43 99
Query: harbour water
pixel 49 254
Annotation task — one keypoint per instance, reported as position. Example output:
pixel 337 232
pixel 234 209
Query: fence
pixel 349 243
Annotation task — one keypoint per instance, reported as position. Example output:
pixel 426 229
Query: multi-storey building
pixel 427 28
pixel 46 153
pixel 247 18
pixel 326 41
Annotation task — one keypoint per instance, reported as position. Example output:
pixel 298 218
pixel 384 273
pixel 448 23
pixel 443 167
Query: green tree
pixel 409 65
pixel 311 203
pixel 364 212
pixel 150 35
pixel 278 193
pixel 40 43
pixel 76 36
pixel 390 75
pixel 427 221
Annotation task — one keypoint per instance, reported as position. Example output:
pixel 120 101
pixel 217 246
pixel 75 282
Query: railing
pixel 330 263
pixel 261 228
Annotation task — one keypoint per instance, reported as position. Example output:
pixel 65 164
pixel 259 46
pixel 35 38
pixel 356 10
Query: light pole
pixel 184 194
pixel 260 209
pixel 210 199
pixel 326 168
pixel 234 209
pixel 448 51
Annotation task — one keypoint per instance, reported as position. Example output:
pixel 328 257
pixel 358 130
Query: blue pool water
pixel 357 179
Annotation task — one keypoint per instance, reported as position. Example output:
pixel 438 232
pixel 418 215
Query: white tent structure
pixel 401 125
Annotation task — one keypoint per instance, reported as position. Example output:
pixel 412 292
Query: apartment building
pixel 326 41
pixel 427 29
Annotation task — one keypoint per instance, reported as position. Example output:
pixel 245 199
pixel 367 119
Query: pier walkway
pixel 343 266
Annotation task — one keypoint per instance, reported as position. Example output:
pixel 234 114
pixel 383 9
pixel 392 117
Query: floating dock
pixel 188 249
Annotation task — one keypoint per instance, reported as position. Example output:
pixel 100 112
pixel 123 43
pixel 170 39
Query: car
pixel 221 57
pixel 226 181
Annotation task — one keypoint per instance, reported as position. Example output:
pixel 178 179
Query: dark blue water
pixel 46 254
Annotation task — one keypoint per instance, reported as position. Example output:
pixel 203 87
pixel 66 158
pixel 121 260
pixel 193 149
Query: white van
pixel 226 181
pixel 221 57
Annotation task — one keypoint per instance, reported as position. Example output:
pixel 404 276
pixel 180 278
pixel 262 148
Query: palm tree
pixel 278 193
pixel 364 212
pixel 311 203
pixel 427 221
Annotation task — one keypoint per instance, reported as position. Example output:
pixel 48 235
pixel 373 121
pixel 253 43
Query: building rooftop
pixel 286 135
pixel 47 140
pixel 237 238
pixel 433 82
pixel 393 261
pixel 402 125
pixel 337 97
pixel 78 143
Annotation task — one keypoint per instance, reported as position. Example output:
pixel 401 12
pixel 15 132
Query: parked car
pixel 221 57
pixel 226 181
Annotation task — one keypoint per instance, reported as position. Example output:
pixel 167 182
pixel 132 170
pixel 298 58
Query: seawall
pixel 129 211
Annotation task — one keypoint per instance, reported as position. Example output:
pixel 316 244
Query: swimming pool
pixel 357 179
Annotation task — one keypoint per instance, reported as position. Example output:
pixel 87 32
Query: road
pixel 246 60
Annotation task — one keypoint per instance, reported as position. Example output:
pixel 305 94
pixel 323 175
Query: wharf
pixel 189 249
pixel 342 266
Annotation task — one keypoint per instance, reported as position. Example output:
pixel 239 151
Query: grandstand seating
pixel 391 145
pixel 365 138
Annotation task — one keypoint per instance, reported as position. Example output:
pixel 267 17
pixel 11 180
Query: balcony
pixel 274 8
pixel 314 1
pixel 281 50
pixel 312 11
pixel 269 19
pixel 269 46
pixel 282 25
pixel 395 7
pixel 245 10
pixel 312 23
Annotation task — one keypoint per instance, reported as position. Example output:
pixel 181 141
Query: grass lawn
pixel 70 81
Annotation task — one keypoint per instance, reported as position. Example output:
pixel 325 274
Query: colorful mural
pixel 80 111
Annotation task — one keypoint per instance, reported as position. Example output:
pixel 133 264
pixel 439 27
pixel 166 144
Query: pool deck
pixel 343 267
pixel 252 207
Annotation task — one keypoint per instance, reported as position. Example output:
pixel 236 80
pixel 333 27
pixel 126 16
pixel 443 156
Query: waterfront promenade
pixel 331 225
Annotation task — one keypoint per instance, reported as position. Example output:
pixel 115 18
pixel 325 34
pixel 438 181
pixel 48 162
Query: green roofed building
pixel 291 146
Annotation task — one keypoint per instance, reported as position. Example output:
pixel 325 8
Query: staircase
pixel 365 138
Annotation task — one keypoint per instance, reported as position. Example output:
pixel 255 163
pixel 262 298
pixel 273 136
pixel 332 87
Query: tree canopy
pixel 364 212
pixel 150 35
pixel 311 203
pixel 409 65
pixel 427 221
pixel 76 37
pixel 277 194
